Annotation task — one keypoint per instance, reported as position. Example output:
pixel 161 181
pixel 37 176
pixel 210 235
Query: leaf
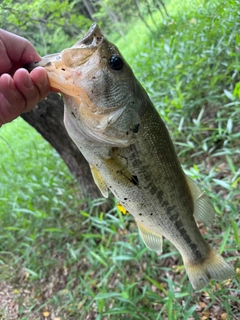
pixel 11 228
pixel 31 272
pixel 224 241
pixel 124 295
pixel 123 258
pixel 235 231
pixel 92 236
pixel 223 183
pixel 167 47
pixel 231 165
pixel 157 284
pixel 229 125
pixel 100 259
pixel 107 295
pixel 72 252
pixel 189 312
pixel 236 91
pixel 54 230
pixel 228 94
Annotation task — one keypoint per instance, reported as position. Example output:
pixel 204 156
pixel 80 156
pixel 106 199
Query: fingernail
pixel 11 86
pixel 43 80
pixel 28 82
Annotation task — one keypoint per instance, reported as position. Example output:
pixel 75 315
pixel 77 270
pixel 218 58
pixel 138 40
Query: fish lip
pixel 49 59
pixel 46 61
pixel 30 66
pixel 64 67
pixel 92 39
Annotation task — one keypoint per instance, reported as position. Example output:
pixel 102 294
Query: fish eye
pixel 116 62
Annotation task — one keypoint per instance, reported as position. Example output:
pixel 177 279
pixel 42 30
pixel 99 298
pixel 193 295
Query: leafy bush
pixel 50 25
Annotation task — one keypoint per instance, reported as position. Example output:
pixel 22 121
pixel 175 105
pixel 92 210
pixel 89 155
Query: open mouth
pixel 61 66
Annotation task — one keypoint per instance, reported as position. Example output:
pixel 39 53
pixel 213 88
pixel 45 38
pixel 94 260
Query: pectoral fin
pixel 99 181
pixel 152 240
pixel 203 209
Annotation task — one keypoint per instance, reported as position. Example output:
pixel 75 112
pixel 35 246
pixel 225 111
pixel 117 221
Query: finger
pixel 40 78
pixel 10 92
pixel 12 101
pixel 15 51
pixel 34 87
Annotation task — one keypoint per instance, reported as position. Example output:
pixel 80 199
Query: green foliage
pixel 115 17
pixel 54 25
pixel 50 25
pixel 84 264
pixel 236 91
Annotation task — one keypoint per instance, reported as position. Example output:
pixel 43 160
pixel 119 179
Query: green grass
pixel 131 45
pixel 87 264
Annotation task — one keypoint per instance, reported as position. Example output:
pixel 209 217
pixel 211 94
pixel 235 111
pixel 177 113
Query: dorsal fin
pixel 203 208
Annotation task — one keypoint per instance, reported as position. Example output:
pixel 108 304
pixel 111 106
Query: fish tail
pixel 214 267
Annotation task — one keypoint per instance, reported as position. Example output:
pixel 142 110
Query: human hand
pixel 20 91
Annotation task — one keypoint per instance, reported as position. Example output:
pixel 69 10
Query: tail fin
pixel 215 267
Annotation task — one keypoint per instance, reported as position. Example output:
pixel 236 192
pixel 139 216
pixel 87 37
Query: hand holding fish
pixel 19 90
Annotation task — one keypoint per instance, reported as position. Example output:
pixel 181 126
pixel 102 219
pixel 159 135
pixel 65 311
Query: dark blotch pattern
pixel 134 180
pixel 160 196
pixel 136 128
pixel 193 246
pixel 175 218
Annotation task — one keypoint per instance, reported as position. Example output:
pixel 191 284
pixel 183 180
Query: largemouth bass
pixel 116 127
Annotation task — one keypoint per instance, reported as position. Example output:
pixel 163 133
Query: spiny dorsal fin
pixel 99 181
pixel 152 240
pixel 203 208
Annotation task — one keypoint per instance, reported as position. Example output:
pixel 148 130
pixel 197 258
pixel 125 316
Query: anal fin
pixel 152 240
pixel 99 181
pixel 203 208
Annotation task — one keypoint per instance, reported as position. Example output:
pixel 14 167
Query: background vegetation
pixel 60 262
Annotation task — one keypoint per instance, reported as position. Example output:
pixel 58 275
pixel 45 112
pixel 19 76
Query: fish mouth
pixel 62 67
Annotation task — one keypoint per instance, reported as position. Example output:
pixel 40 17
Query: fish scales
pixel 114 124
pixel 153 197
